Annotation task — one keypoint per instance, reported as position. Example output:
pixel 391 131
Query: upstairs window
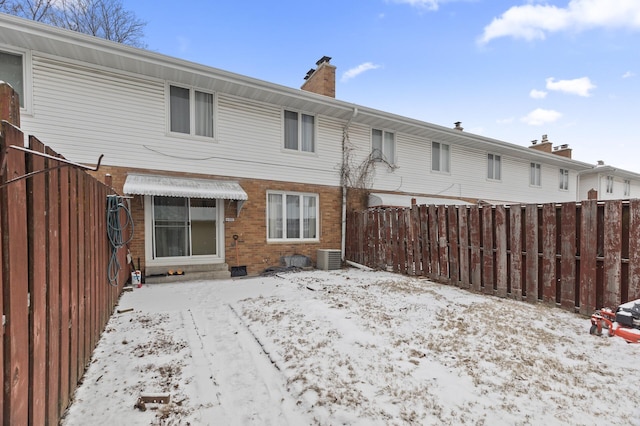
pixel 12 72
pixel 383 145
pixel 609 184
pixel 494 166
pixel 191 111
pixel 535 176
pixel 299 131
pixel 440 157
pixel 627 188
pixel 564 179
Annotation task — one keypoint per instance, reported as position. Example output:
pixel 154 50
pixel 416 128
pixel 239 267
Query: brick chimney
pixel 321 80
pixel 562 150
pixel 544 146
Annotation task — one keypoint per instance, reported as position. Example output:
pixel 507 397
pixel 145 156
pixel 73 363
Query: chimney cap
pixel 545 138
pixel 600 163
pixel 323 60
pixel 309 73
pixel 458 125
pixel 564 146
pixel 535 141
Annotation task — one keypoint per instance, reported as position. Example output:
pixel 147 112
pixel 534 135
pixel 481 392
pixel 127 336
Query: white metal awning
pixel 398 200
pixel 169 186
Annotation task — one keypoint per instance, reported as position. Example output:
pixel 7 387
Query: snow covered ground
pixel 351 347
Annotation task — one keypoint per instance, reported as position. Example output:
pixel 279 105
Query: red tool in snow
pixel 624 322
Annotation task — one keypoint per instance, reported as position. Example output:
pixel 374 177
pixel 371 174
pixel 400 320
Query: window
pixel 534 178
pixel 564 179
pixel 494 166
pixel 184 227
pixel 299 132
pixel 627 188
pixel 383 145
pixel 12 72
pixel 440 157
pixel 191 111
pixel 609 184
pixel 292 216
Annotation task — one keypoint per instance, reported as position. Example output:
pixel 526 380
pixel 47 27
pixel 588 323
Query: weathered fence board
pixel 487 249
pixel 463 234
pixel 16 289
pixel 568 256
pixel 37 277
pixel 549 253
pixel 501 251
pixel 612 255
pixel 454 250
pixel 474 240
pixel 515 244
pixel 634 250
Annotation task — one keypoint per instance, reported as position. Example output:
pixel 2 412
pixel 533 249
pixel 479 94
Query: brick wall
pixel 251 226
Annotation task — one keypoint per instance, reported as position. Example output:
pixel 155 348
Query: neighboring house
pixel 609 183
pixel 227 170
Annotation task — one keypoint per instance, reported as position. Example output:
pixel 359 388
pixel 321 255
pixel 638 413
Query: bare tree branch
pixel 101 18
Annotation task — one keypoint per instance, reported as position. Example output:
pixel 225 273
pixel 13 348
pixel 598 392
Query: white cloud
pixel 579 86
pixel 628 74
pixel 354 72
pixel 535 21
pixel 537 94
pixel 424 4
pixel 540 116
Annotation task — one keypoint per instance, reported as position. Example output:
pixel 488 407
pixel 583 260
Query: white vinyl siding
pixel 292 216
pixel 535 174
pixel 299 131
pixel 494 167
pixel 440 157
pixel 383 145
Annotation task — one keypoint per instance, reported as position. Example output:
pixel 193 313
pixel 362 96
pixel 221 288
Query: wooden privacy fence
pixel 55 299
pixel 578 256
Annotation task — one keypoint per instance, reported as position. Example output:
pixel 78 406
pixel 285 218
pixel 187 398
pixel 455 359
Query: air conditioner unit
pixel 329 259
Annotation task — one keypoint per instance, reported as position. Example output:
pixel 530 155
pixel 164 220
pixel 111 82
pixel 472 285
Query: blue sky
pixel 507 69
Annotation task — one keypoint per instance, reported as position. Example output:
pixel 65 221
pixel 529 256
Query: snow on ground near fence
pixel 351 347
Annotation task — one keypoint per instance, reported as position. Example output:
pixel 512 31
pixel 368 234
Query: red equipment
pixel 624 322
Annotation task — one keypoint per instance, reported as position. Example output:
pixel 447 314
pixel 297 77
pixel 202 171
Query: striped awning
pixel 169 186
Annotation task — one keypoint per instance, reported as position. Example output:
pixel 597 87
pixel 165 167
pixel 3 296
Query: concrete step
pixel 217 271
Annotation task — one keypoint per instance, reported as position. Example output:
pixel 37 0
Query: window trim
pixel 315 132
pixel 564 179
pixel 27 77
pixel 192 112
pixel 285 239
pixel 533 182
pixel 491 158
pixel 440 159
pixel 382 157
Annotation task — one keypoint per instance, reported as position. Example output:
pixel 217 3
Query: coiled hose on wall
pixel 115 232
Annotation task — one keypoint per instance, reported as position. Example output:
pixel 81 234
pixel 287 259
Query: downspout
pixel 345 136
